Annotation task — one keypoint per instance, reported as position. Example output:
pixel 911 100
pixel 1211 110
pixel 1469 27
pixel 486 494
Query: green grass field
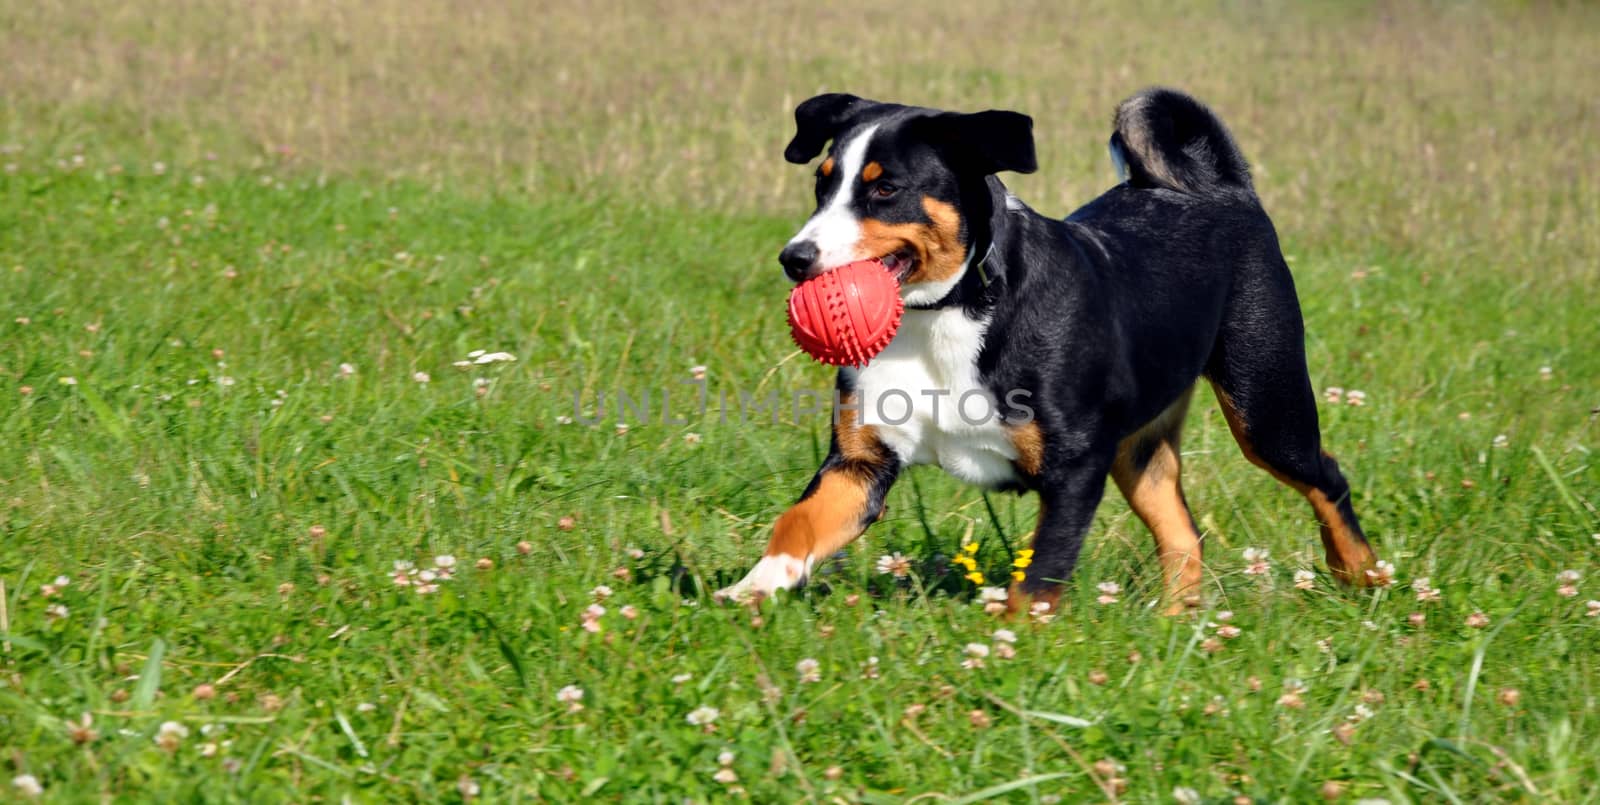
pixel 242 250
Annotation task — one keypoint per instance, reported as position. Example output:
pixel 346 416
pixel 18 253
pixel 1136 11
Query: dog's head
pixel 898 184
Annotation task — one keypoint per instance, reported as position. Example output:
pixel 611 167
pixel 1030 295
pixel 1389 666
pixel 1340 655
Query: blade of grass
pixel 150 676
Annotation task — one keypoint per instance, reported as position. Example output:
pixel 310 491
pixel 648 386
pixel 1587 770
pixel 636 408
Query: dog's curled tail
pixel 1166 138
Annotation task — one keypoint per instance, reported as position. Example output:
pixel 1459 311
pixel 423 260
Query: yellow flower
pixel 971 547
pixel 975 577
pixel 1025 553
pixel 965 561
pixel 1022 561
pixel 1018 576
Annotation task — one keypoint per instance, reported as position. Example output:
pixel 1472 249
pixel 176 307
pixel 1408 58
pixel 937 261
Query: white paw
pixel 772 573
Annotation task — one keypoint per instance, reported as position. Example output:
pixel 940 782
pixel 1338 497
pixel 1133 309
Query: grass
pixel 228 502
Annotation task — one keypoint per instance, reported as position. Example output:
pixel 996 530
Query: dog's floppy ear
pixel 819 120
pixel 987 142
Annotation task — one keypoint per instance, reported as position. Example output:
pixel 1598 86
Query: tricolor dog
pixel 1043 355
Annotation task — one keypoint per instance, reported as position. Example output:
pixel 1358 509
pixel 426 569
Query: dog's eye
pixel 884 190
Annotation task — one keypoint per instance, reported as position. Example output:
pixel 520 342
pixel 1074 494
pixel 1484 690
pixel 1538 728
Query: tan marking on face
pixel 827 167
pixel 936 244
pixel 1349 556
pixel 1028 439
pixel 872 171
pixel 827 520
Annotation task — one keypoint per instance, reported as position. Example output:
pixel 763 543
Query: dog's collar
pixel 952 298
pixel 983 264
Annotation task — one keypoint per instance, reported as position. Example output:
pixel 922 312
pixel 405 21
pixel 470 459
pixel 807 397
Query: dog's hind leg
pixel 1258 370
pixel 1147 471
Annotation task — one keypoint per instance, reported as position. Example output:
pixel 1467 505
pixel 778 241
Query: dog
pixel 1080 340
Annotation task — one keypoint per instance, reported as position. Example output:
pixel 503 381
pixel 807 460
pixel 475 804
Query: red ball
pixel 847 315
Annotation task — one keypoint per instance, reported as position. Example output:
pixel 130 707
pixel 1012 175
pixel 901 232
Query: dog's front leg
pixel 1069 492
pixel 844 497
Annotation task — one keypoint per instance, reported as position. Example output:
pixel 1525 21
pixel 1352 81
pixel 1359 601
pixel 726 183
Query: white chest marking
pixel 924 398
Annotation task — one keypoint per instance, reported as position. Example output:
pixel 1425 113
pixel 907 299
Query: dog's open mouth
pixel 900 264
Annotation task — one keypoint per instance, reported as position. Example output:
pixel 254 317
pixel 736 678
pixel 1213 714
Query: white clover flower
pixel 27 785
pixel 703 716
pixel 170 734
pixel 572 697
pixel 1424 589
pixel 1256 561
pixel 894 564
pixel 1109 590
pixel 1568 580
pixel 809 669
pixel 1382 574
pixel 976 653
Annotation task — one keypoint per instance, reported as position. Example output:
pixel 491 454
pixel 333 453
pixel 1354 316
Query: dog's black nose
pixel 797 259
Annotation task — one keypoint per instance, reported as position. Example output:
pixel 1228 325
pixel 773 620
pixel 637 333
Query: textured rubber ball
pixel 846 316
